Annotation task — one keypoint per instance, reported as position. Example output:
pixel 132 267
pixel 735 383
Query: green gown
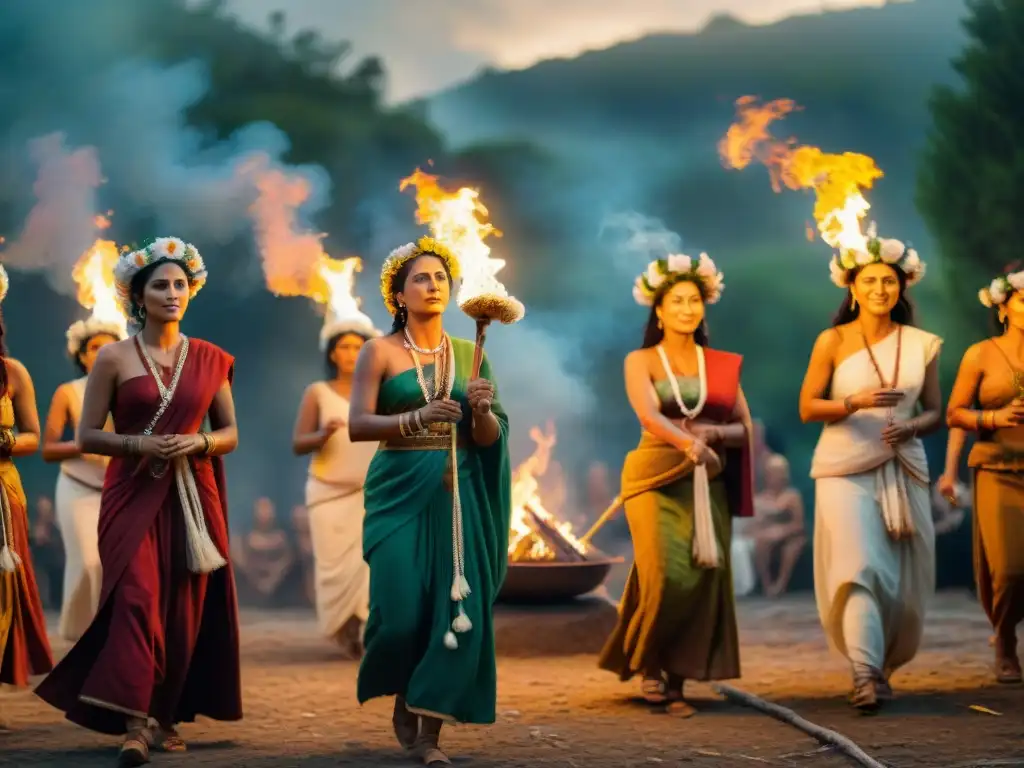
pixel 407 542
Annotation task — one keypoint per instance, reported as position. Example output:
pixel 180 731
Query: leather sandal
pixel 135 748
pixel 169 740
pixel 653 690
pixel 1008 671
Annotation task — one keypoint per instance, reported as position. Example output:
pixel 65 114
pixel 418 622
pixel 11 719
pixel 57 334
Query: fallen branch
pixel 824 735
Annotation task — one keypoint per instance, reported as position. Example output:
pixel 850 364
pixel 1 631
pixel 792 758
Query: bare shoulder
pixel 639 360
pixel 109 356
pixel 831 339
pixel 978 352
pixel 17 373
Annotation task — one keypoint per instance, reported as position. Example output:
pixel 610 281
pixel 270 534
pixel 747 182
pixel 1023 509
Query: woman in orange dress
pixel 988 400
pixel 24 646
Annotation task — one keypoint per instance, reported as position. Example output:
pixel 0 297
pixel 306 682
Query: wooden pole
pixel 478 350
pixel 824 735
pixel 607 515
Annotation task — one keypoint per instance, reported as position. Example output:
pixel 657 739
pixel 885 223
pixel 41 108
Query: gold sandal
pixel 168 740
pixel 653 690
pixel 135 748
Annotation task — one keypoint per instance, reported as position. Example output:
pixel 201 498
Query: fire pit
pixel 547 563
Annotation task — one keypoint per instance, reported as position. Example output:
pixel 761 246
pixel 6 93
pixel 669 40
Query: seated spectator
pixel 778 527
pixel 262 557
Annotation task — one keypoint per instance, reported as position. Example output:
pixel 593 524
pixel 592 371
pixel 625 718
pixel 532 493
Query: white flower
pixel 706 267
pixel 640 295
pixel 985 298
pixel 915 277
pixel 655 277
pixel 997 291
pixel 679 263
pixel 872 231
pixel 168 248
pixel 862 258
pixel 837 273
pixel 1016 280
pixel 891 251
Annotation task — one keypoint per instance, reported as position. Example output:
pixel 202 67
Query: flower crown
pixel 876 251
pixel 675 268
pixel 399 257
pixel 356 323
pixel 80 330
pixel 5 283
pixel 161 249
pixel 1000 289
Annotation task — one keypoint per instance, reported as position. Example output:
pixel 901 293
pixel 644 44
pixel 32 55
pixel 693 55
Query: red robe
pixel 164 642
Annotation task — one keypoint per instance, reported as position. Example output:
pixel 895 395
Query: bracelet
pixel 208 442
pixel 403 427
pixel 418 418
pixel 131 445
pixel 848 404
pixel 991 420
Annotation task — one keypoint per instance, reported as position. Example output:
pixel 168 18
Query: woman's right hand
pixel 1009 415
pixel 699 453
pixel 947 487
pixel 441 411
pixel 875 398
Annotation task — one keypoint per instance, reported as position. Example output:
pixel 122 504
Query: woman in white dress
pixel 334 488
pixel 873 381
pixel 80 480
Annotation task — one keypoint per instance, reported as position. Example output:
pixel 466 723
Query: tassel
pixel 450 641
pixel 462 623
pixel 705 546
pixel 203 555
pixel 9 560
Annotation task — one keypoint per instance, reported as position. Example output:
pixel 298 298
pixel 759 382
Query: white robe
pixel 859 481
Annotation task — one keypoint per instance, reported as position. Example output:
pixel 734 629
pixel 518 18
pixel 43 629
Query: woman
pixel 778 526
pixel 24 646
pixel 80 480
pixel 438 507
pixel 873 379
pixel 678 616
pixel 163 647
pixel 988 400
pixel 334 490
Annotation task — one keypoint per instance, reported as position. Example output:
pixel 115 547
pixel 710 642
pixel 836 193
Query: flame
pixel 838 181
pixel 294 262
pixel 523 544
pixel 94 275
pixel 459 220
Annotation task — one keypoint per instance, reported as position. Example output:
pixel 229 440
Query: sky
pixel 428 45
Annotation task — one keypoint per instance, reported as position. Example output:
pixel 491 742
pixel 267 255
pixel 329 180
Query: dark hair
pixel 329 366
pixel 654 334
pixel 902 313
pixel 77 357
pixel 138 285
pixel 401 313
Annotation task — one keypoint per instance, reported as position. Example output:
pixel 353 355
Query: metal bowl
pixel 548 581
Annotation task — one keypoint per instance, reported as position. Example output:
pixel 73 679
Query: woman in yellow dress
pixel 988 401
pixel 24 646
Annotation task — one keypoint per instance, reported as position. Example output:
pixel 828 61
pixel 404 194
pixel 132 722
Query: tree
pixel 971 178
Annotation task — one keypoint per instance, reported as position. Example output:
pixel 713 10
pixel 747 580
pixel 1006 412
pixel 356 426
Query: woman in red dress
pixel 163 647
pixel 24 647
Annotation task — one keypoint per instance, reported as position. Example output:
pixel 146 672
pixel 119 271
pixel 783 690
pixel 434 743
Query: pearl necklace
pixel 410 344
pixel 702 376
pixel 444 379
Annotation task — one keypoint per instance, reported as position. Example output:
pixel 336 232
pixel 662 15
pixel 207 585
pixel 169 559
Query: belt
pixel 435 438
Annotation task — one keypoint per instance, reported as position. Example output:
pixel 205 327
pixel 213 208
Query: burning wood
pixel 536 534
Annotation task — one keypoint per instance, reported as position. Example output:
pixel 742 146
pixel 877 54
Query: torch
pixel 485 307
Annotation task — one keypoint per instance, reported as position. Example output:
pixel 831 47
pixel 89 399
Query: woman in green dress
pixel 681 486
pixel 438 503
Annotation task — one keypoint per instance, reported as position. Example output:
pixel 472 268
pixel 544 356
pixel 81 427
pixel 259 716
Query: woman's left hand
pixel 480 394
pixel 898 432
pixel 185 445
pixel 705 431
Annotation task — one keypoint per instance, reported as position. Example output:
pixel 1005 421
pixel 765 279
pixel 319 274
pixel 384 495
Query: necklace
pixel 702 376
pixel 1018 375
pixel 890 416
pixel 159 467
pixel 411 345
pixel 442 378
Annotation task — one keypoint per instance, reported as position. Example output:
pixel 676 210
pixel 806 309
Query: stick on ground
pixel 824 735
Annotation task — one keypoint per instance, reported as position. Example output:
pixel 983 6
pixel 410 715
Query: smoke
pixel 62 224
pixel 637 240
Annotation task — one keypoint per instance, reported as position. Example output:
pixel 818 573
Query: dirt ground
pixel 300 708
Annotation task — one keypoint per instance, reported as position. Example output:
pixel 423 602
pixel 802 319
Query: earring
pixel 142 312
pixel 660 326
pixel 853 301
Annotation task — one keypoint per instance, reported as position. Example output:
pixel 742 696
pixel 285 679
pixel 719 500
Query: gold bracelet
pixel 418 419
pixel 403 427
pixel 208 442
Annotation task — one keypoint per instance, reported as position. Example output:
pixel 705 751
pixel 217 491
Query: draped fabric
pixel 407 541
pixel 675 616
pixel 862 486
pixel 24 646
pixel 164 643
